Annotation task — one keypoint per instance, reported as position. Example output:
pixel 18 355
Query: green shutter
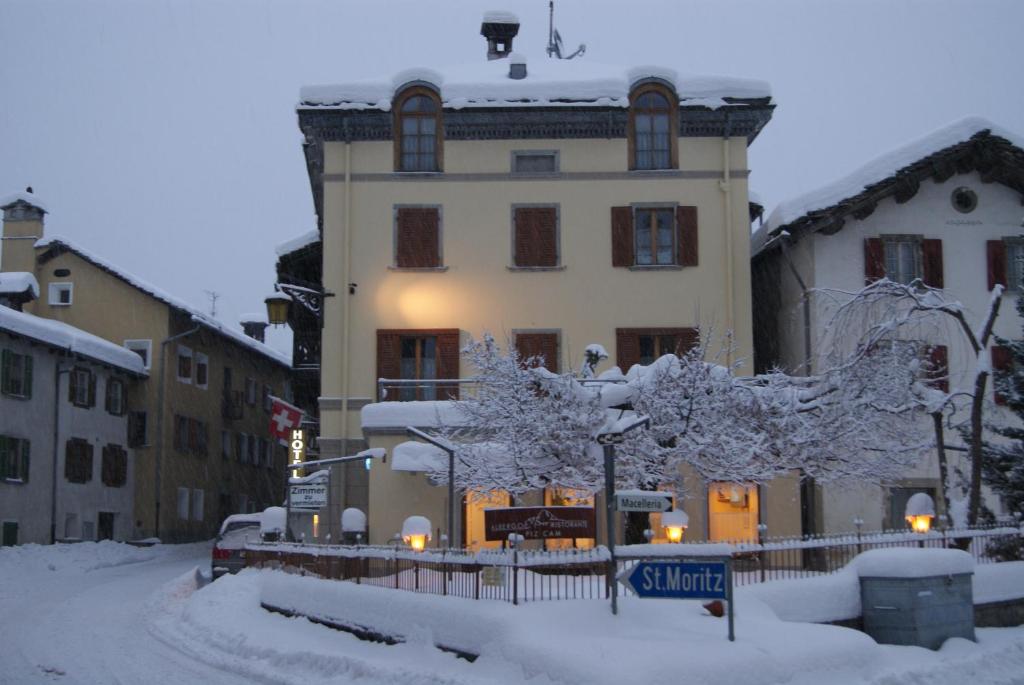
pixel 24 460
pixel 27 390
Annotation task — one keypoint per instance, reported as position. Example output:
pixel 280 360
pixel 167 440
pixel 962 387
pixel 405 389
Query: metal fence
pixel 540 575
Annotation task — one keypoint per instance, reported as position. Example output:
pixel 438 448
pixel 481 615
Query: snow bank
pixel 14 282
pixel 998 582
pixel 75 340
pixel 903 562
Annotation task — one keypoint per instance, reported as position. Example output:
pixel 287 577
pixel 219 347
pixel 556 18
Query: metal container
pixel 918 611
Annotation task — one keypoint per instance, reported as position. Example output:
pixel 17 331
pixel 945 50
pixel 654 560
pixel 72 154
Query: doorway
pixel 105 526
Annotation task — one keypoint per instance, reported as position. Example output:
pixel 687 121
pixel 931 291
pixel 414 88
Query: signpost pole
pixel 728 589
pixel 609 496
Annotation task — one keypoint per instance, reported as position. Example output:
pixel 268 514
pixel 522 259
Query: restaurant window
pixel 733 510
pixel 567 497
pixel 475 503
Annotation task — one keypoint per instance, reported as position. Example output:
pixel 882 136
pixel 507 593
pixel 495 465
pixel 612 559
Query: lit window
pixel 419 128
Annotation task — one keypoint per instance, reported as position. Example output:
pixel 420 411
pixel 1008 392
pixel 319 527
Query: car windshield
pixel 237 534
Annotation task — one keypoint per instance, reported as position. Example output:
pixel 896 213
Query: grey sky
pixel 162 133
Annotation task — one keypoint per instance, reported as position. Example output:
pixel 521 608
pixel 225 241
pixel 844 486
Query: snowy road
pixel 62 625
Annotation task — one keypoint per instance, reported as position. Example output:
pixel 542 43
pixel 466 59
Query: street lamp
pixel 278 304
pixel 919 512
pixel 416 532
pixel 675 524
pixel 310 296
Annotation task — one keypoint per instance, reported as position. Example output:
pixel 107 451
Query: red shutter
pixel 938 367
pixel 448 362
pixel 874 260
pixel 389 359
pixel 931 253
pixel 1002 361
pixel 627 348
pixel 536 242
pixel 622 236
pixel 539 345
pixel 417 237
pixel 995 251
pixel 686 227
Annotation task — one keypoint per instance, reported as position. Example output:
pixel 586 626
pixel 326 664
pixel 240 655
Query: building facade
pixel 66 469
pixel 945 209
pixel 199 425
pixel 551 203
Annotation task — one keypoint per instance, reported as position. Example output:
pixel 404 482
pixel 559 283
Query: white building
pixel 66 471
pixel 946 209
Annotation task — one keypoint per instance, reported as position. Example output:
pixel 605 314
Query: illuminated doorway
pixel 566 497
pixel 475 504
pixel 732 512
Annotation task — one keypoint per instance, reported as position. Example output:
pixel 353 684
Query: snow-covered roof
pixel 253 317
pixel 549 82
pixel 198 316
pixel 418 456
pixel 424 414
pixel 500 17
pixel 875 171
pixel 61 335
pixel 297 243
pixel 26 197
pixel 14 282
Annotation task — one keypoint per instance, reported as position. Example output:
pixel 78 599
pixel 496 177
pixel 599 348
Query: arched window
pixel 652 130
pixel 418 131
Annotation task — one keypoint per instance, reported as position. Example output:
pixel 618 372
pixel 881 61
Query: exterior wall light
pixel 920 512
pixel 416 532
pixel 675 524
pixel 278 305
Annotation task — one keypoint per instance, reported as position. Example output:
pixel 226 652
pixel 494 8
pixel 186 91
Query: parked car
pixel 229 547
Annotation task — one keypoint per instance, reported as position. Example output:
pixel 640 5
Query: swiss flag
pixel 283 417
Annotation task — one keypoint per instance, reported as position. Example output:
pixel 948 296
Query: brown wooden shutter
pixel 931 253
pixel 536 242
pixel 1002 361
pixel 92 389
pixel 627 348
pixel 686 227
pixel 938 367
pixel 448 362
pixel 622 236
pixel 874 260
pixel 389 360
pixel 995 251
pixel 417 237
pixel 72 386
pixel 539 345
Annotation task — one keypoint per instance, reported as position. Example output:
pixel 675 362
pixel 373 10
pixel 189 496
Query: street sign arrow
pixel 643 501
pixel 677 579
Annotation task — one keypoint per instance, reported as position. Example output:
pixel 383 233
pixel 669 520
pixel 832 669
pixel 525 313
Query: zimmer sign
pixel 309 495
pixel 540 523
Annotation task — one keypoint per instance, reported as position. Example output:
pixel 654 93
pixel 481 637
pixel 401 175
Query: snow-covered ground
pixel 105 612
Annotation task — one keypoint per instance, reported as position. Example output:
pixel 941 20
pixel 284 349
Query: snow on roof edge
pixel 26 197
pixel 297 243
pixel 196 315
pixel 18 282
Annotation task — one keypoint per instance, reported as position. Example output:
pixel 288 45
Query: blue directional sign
pixel 678 579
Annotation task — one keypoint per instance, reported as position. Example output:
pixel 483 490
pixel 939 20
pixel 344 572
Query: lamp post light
pixel 919 512
pixel 449 450
pixel 675 524
pixel 278 306
pixel 416 532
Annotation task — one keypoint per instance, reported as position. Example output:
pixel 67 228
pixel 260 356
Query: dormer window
pixel 418 131
pixel 652 138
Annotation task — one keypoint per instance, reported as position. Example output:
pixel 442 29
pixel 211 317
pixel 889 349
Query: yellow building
pixel 554 203
pixel 199 424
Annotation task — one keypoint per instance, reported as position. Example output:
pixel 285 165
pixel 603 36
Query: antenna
pixel 214 296
pixel 555 40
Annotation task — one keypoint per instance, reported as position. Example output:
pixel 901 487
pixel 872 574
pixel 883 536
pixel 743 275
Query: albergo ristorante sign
pixel 540 523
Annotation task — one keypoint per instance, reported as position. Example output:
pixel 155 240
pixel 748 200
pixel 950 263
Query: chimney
pixel 254 326
pixel 516 66
pixel 23 226
pixel 499 28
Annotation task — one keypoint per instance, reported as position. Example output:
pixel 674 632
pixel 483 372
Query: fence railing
pixel 522 575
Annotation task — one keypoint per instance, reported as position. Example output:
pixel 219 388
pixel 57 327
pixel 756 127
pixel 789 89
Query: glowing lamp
pixel 920 512
pixel 278 304
pixel 416 532
pixel 675 523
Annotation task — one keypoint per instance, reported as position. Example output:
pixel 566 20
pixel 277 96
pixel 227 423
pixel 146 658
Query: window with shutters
pixel 644 345
pixel 78 461
pixel 16 374
pixel 430 356
pixel 652 236
pixel 82 387
pixel 538 348
pixel 114 466
pixel 241 447
pixel 535 237
pixel 251 446
pixel 115 397
pixel 137 436
pixel 417 237
pixel 190 436
pixel 418 130
pixel 184 364
pixel 14 459
pixel 1006 263
pixel 202 370
pixel 904 258
pixel 225 444
pixel 653 126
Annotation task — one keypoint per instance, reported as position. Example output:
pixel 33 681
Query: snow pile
pixel 418 456
pixel 197 316
pixel 353 521
pixel 273 520
pixel 75 340
pixel 15 282
pixel 548 83
pixel 877 170
pixel 297 243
